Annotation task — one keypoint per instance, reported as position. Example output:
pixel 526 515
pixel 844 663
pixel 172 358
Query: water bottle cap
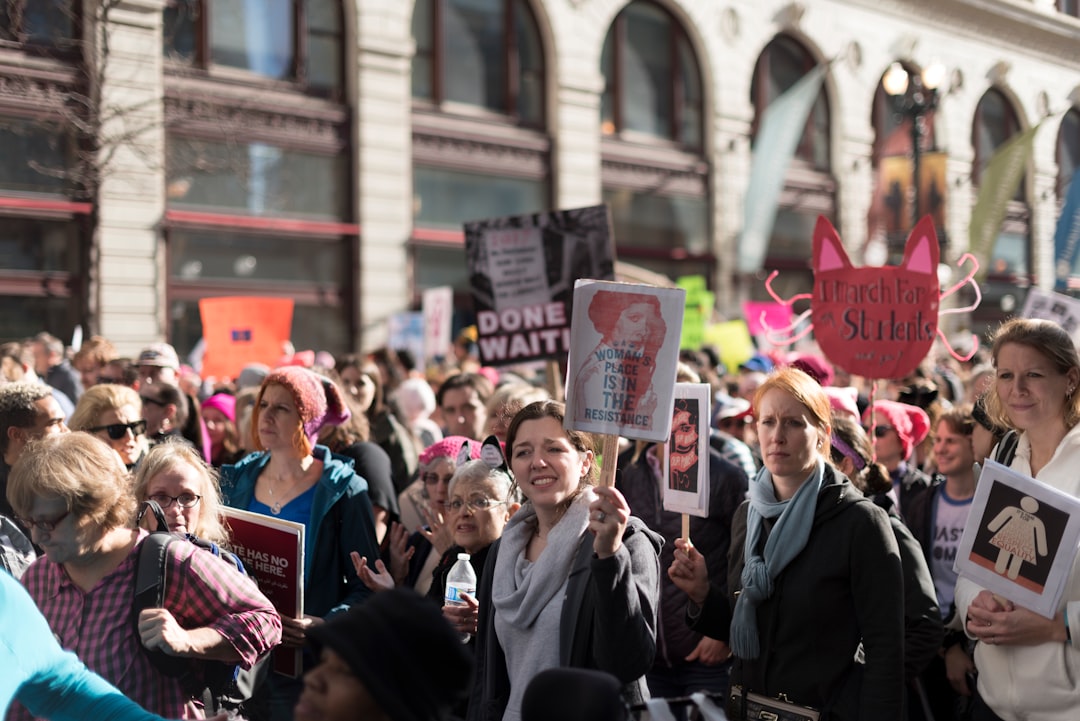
pixel 463 557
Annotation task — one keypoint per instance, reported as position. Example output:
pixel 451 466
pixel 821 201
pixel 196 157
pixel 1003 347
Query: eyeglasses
pixel 186 500
pixel 45 526
pixel 477 504
pixel 153 401
pixel 117 431
pixel 881 431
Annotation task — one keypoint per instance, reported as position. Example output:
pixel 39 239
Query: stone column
pixel 127 266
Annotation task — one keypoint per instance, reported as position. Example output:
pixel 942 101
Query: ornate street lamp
pixel 914 96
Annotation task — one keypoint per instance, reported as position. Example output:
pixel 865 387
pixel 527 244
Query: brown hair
pixel 80 469
pixel 581 441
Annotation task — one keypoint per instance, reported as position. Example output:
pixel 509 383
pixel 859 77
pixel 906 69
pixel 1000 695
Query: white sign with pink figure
pixel 1021 539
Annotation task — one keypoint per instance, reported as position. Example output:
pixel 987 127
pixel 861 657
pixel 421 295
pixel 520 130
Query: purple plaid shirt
pixel 200 590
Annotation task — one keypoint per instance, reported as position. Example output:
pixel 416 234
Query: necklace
pixel 275 507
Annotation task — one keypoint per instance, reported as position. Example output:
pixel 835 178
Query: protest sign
pixel 406 331
pixel 242 330
pixel 733 339
pixel 686 454
pixel 1020 539
pixel 623 353
pixel 272 550
pixel 522 270
pixel 1062 309
pixel 763 315
pixel 698 312
pixel 438 309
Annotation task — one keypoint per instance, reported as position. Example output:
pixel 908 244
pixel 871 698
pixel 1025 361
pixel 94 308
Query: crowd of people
pixel 822 576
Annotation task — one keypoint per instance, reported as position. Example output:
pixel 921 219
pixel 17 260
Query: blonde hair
pixel 80 469
pixel 99 399
pixel 170 455
pixel 1053 343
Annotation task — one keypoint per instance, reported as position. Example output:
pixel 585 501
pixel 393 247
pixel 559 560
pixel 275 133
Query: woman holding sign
pixel 814 570
pixel 574 580
pixel 1029 666
pixel 295 480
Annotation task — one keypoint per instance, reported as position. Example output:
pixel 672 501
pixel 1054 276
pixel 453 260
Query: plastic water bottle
pixel 462 579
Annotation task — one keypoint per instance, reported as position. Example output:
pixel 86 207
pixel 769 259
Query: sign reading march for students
pixel 522 269
pixel 623 351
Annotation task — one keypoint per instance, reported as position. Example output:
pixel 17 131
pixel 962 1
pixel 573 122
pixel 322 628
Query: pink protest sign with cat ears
pixel 877 322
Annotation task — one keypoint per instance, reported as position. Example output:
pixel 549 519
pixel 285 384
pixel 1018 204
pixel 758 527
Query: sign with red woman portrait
pixel 623 351
pixel 686 454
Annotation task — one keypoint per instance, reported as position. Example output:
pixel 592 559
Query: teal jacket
pixel 49 681
pixel 341 521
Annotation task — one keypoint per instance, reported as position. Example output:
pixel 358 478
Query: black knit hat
pixel 406 654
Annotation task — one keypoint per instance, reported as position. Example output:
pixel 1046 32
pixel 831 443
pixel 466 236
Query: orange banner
pixel 239 331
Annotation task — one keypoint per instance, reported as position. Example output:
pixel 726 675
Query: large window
pixel 42 23
pixel 654 171
pixel 1068 152
pixel 482 53
pixel 652 84
pixel 1069 7
pixel 809 187
pixel 480 149
pixel 299 41
pixel 783 62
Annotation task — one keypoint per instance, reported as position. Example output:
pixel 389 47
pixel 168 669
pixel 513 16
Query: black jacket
pixel 845 588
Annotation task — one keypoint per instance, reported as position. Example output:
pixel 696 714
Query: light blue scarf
pixel 787 540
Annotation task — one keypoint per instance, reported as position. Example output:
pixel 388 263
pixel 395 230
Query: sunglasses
pixel 117 431
pixel 881 431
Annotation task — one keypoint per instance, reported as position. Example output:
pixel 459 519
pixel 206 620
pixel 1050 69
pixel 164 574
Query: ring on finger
pixel 600 516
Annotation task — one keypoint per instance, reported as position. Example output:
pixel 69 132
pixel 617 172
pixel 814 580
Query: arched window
pixel 1068 152
pixel 783 62
pixel 299 41
pixel 483 53
pixel 652 84
pixel 654 171
pixel 259 197
pixel 480 148
pixel 995 123
pixel 809 187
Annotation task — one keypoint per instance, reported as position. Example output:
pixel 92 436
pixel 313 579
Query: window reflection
pixel 35 155
pixel 38 22
pixel 448 198
pixel 254 35
pixel 645 220
pixel 256 178
pixel 221 255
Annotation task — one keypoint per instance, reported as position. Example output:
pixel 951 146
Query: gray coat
pixel 608 620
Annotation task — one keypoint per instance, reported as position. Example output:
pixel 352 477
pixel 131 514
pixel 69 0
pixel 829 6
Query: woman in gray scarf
pixel 574 580
pixel 817 612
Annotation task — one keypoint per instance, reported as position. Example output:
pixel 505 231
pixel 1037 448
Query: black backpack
pixel 220 686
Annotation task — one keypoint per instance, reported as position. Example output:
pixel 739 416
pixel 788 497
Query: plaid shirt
pixel 201 591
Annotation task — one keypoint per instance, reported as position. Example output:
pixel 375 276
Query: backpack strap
pixel 1006 448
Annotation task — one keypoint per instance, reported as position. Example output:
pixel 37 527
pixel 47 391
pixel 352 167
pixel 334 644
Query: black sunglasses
pixel 117 431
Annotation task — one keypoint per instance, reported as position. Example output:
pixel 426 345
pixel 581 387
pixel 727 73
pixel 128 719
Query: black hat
pixel 406 654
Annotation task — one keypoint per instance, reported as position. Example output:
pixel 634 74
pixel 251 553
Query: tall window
pixel 654 171
pixel 1068 161
pixel 298 41
pixel 480 148
pixel 483 53
pixel 42 23
pixel 1069 7
pixel 259 191
pixel 783 62
pixel 652 84
pixel 809 187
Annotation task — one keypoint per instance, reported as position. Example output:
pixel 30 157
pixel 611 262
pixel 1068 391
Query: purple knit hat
pixel 318 401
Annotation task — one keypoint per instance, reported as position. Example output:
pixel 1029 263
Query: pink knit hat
pixel 449 447
pixel 318 401
pixel 222 402
pixel 911 423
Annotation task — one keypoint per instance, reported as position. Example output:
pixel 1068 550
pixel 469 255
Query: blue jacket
pixel 341 521
pixel 49 681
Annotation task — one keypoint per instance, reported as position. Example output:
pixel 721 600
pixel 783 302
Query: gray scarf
pixel 787 540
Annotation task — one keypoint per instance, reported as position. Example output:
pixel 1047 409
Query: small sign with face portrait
pixel 686 454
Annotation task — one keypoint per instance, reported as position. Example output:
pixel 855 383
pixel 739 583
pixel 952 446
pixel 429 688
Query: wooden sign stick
pixel 554 380
pixel 610 456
